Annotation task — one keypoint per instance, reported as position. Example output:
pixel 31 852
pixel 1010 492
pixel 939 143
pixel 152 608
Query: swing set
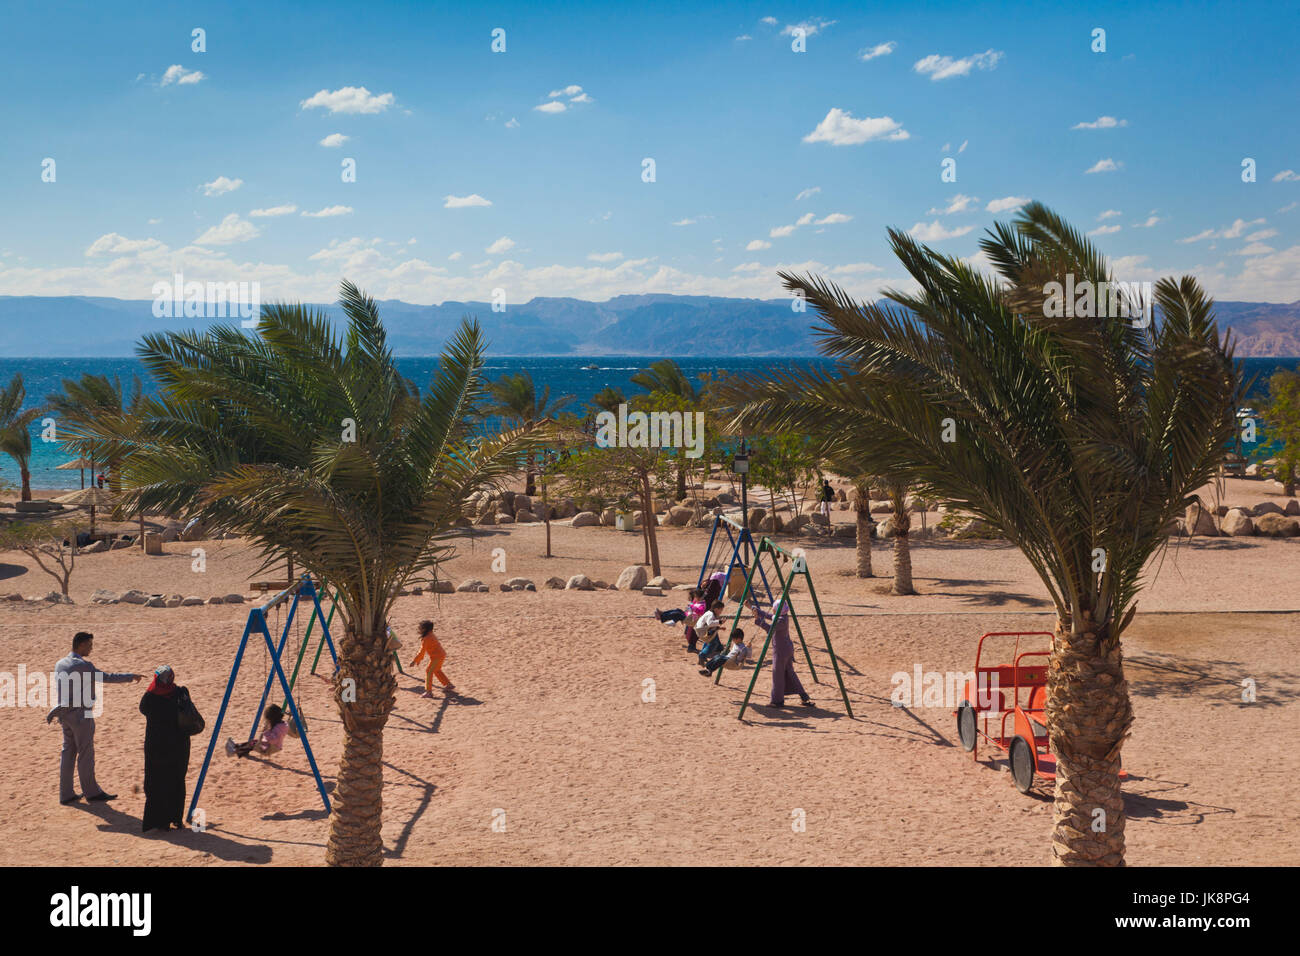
pixel 798 566
pixel 742 545
pixel 257 623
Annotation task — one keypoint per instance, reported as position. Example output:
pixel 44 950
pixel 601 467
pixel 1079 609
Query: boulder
pixel 486 519
pixel 1220 510
pixel 659 582
pixel 882 507
pixel 156 602
pixel 503 518
pixel 120 543
pixel 1277 526
pixel 797 522
pixel 567 508
pixel 771 524
pixel 521 583
pixel 554 583
pixel 192 602
pixel 602 585
pixel 607 517
pixel 1293 507
pixel 233 599
pixel 1267 508
pixel 1200 521
pixel 96 548
pixel 473 584
pixel 175 600
pixel 524 516
pixel 846 531
pixel 505 587
pixel 103 596
pixel 14 596
pixel 585 519
pixel 443 587
pixel 654 592
pixel 726 498
pixel 679 516
pixel 482 589
pixel 1252 470
pixel 216 599
pixel 633 578
pixel 756 516
pixel 56 597
pixel 521 503
pixel 579 582
pixel 842 506
pixel 508 502
pixel 169 535
pixel 134 597
pixel 1237 523
pixel 820 519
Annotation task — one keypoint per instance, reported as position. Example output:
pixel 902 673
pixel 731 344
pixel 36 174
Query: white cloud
pixel 1206 234
pixel 512 123
pixel 770 21
pixel 582 98
pixel 231 229
pixel 781 232
pixel 221 185
pixel 685 222
pixel 462 202
pixel 854 268
pixel 839 128
pixel 114 244
pixel 604 256
pixel 1006 203
pixel 1109 214
pixel 328 212
pixel 1105 230
pixel 809 27
pixel 958 203
pixel 182 77
pixel 551 106
pixel 1102 122
pixel 1287 176
pixel 833 219
pixel 453 257
pixel 504 244
pixel 935 231
pixel 1239 227
pixel 880 49
pixel 573 90
pixel 807 193
pixel 154 222
pixel 1103 166
pixel 805 219
pixel 1261 235
pixel 348 99
pixel 1254 249
pixel 945 67
pixel 757 244
pixel 288 209
pixel 334 140
pixel 962 147
pixel 743 37
pixel 1289 206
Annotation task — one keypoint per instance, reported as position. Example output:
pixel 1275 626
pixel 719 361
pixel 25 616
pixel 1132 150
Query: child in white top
pixel 706 627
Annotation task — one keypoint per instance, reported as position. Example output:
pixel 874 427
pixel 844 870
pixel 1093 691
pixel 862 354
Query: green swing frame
pixel 798 566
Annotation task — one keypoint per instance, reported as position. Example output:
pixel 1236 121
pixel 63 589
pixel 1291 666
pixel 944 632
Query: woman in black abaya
pixel 166 754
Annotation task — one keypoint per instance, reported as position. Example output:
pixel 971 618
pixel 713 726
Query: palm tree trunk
pixel 1088 716
pixel 681 481
pixel 26 480
pixel 354 837
pixel 862 509
pixel 648 520
pixel 902 549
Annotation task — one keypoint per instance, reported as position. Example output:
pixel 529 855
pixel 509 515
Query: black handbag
pixel 187 715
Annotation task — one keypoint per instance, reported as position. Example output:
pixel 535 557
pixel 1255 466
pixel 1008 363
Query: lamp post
pixel 740 465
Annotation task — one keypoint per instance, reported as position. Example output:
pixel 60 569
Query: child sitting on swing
pixel 738 654
pixel 270 742
pixel 694 608
pixel 706 627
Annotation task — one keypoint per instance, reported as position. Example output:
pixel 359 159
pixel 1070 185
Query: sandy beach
pixel 549 752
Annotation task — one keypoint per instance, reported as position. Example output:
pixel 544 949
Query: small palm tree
pixel 316 449
pixel 82 401
pixel 1079 436
pixel 15 431
pixel 862 512
pixel 895 490
pixel 514 399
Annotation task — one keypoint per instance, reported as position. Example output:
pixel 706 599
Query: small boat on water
pixel 593 367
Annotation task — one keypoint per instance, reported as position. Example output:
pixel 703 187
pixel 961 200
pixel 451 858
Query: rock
pixel 633 578
pixel 565 509
pixel 771 524
pixel 585 519
pixel 654 592
pixel 134 597
pixel 505 587
pixel 523 516
pixel 103 596
pixel 194 531
pixel 820 519
pixel 508 502
pixel 520 583
pixel 482 589
pixel 521 503
pixel 842 506
pixel 443 587
pixel 486 519
pixel 756 516
pixel 1267 508
pixel 121 543
pixel 556 584
pixel 217 599
pixel 679 516
pixel 1293 507
pixel 176 600
pixel 55 597
pixel 1220 510
pixel 841 495
pixel 975 528
pixel 579 582
pixel 234 599
pixel 882 507
pixel 1237 523
pixel 659 582
pixel 156 602
pixel 846 531
pixel 530 586
pixel 726 498
pixel 169 535
pixel 473 584
pixel 1200 521
pixel 602 586
pixel 14 596
pixel 96 548
pixel 1277 526
pixel 1252 470
pixel 192 602
pixel 797 522
pixel 503 518
pixel 607 517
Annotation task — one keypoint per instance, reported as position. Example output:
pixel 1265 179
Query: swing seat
pixel 293 726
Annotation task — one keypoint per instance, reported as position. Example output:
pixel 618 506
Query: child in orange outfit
pixel 431 647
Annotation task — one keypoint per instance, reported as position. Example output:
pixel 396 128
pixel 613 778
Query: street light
pixel 740 466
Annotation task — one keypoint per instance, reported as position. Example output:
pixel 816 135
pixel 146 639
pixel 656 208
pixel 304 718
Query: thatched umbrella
pixel 91 497
pixel 79 464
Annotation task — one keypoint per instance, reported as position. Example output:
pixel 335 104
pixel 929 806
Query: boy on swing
pixel 432 648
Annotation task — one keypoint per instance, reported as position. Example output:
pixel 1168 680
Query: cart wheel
pixel 1022 764
pixel 966 726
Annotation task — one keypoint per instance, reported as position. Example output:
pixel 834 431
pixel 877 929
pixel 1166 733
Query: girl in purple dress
pixel 784 679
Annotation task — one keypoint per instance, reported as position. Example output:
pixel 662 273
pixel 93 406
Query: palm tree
pixel 665 375
pixel 862 512
pixel 514 399
pixel 314 448
pixel 895 490
pixel 86 399
pixel 15 434
pixel 1080 437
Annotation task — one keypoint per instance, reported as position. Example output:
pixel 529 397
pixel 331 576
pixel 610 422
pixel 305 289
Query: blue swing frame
pixel 257 622
pixel 741 536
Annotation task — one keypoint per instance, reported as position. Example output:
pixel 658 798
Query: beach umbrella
pixel 92 498
pixel 79 464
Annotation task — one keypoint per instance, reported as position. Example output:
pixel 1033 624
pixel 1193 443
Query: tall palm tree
pixel 86 399
pixel 514 399
pixel 862 512
pixel 15 432
pixel 314 448
pixel 895 489
pixel 1080 437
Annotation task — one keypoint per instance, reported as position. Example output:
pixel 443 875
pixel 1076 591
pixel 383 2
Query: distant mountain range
pixel 656 324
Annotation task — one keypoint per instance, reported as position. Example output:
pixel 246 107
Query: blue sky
pixel 218 164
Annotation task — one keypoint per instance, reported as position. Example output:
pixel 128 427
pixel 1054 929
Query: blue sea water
pixel 564 375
